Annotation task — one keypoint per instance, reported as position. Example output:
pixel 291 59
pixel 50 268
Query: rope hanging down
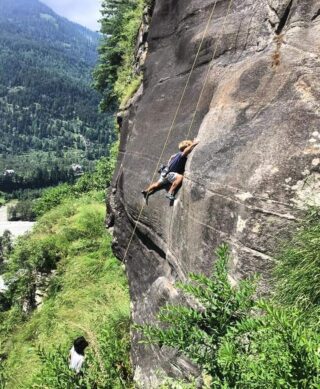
pixel 209 68
pixel 180 103
pixel 182 96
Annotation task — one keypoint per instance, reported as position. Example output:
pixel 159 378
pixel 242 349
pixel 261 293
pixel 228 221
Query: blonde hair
pixel 184 144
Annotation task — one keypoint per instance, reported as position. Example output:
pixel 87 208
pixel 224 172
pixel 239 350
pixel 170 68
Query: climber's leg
pixel 175 185
pixel 152 187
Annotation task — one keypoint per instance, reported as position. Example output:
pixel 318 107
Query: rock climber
pixel 173 172
pixel 76 356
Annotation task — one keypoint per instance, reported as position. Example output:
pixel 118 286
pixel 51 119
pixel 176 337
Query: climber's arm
pixel 171 158
pixel 188 149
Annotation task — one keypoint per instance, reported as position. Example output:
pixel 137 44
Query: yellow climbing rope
pixel 182 96
pixel 180 103
pixel 209 68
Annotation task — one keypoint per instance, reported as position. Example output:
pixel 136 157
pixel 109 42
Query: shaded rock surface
pixel 257 164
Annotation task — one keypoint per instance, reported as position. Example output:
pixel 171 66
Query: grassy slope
pixel 89 288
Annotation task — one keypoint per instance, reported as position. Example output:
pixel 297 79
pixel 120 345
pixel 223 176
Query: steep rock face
pixel 257 163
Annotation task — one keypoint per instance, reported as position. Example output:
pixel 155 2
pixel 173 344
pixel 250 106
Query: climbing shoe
pixel 170 196
pixel 146 195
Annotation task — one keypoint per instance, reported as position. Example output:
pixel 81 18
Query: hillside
pixel 49 112
pixel 66 264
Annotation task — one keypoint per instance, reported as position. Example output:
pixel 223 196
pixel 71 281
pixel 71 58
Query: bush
pixel 198 331
pixel 240 343
pixel 3 378
pixel 275 349
pixel 298 271
pixel 55 372
pixel 23 210
pixel 101 178
pixel 51 198
pixel 98 180
pixel 6 245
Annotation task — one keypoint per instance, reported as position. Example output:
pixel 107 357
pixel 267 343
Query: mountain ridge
pixel 47 104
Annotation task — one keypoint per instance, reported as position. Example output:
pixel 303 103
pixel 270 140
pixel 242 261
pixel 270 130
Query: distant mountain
pixel 48 111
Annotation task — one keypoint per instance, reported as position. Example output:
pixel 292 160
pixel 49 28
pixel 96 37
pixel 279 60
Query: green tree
pixel 114 75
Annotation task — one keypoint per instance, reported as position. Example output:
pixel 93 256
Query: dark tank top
pixel 178 163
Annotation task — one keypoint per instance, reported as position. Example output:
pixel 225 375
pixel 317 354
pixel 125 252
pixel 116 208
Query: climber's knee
pixel 176 183
pixel 179 179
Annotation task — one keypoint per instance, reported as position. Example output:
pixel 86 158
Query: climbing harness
pixel 180 103
pixel 164 170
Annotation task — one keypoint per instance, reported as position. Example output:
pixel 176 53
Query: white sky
pixel 85 12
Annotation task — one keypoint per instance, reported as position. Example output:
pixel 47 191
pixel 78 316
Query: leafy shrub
pixel 101 178
pixel 30 258
pixel 6 245
pixel 55 372
pixel 98 180
pixel 51 198
pixel 3 378
pixel 198 331
pixel 297 273
pixel 240 343
pixel 275 349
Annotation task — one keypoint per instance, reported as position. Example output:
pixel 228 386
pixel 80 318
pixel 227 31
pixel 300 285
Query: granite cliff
pixel 257 164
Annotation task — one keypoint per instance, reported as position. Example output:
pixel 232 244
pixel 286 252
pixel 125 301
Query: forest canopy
pixel 48 108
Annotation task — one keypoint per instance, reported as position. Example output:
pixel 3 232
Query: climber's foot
pixel 146 195
pixel 170 196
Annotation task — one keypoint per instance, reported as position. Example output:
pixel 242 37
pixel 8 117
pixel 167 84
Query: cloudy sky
pixel 85 12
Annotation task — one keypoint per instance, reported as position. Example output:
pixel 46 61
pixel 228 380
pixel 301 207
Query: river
pixel 16 229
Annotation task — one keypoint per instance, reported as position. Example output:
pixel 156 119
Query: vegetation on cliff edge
pixel 241 342
pixel 115 76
